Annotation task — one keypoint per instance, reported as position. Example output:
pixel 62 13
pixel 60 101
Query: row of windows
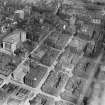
pixel 8 45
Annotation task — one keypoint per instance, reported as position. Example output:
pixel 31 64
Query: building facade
pixel 12 42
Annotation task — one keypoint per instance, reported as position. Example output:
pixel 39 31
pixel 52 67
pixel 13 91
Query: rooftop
pixel 12 37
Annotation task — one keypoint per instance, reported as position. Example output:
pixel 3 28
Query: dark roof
pixel 41 10
pixel 36 72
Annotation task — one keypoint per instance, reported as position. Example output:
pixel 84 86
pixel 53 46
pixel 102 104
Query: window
pixel 7 45
pixel 96 21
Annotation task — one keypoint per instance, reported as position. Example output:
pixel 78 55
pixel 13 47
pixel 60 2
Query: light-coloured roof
pixel 13 37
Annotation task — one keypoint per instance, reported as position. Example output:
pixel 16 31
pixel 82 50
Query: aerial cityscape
pixel 52 52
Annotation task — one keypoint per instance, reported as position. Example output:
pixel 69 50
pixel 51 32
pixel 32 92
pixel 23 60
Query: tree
pixel 18 52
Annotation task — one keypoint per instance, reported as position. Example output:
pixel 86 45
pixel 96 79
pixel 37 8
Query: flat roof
pixel 11 38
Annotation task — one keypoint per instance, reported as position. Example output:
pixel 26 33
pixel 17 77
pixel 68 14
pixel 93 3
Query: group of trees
pixel 7 9
pixel 39 16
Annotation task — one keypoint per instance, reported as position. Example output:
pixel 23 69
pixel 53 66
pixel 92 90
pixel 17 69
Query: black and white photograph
pixel 52 52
